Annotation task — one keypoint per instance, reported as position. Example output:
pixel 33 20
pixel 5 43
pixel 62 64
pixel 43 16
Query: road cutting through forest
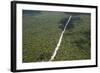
pixel 60 40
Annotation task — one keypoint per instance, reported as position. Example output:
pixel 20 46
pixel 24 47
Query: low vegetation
pixel 41 32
